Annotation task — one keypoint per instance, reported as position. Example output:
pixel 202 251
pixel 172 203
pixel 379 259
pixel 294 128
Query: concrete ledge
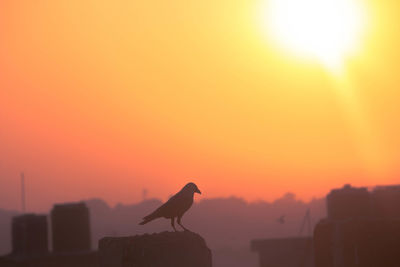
pixel 166 249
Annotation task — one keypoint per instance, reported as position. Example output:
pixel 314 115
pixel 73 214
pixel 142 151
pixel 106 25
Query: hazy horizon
pixel 223 222
pixel 47 206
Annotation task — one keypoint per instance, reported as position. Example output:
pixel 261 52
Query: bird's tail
pixel 148 218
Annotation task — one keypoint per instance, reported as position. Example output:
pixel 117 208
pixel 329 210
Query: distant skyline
pixel 224 221
pixel 105 99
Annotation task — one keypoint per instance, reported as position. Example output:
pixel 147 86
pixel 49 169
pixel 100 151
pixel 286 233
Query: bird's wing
pixel 175 206
pixel 164 209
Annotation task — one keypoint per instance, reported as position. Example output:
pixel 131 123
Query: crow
pixel 175 207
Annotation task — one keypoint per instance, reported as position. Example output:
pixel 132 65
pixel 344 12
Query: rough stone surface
pixel 166 249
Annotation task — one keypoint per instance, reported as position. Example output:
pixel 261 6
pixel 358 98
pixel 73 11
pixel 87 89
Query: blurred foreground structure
pixel 287 252
pixel 362 228
pixel 284 252
pixel 70 227
pixel 29 235
pixel 166 249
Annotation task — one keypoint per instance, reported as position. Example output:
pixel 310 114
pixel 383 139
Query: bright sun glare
pixel 326 30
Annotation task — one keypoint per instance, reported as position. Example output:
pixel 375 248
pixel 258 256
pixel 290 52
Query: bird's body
pixel 175 207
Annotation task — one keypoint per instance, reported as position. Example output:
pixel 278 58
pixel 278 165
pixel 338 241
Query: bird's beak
pixel 197 191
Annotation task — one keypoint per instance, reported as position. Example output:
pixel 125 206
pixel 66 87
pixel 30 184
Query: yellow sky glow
pixel 105 98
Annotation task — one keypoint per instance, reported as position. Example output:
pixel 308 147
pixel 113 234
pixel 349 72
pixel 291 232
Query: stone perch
pixel 166 249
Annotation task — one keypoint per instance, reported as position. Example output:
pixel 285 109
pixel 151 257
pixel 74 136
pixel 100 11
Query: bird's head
pixel 192 188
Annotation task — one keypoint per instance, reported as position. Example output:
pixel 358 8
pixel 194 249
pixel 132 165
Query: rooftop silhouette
pixel 166 249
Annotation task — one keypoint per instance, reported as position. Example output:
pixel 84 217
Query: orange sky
pixel 105 98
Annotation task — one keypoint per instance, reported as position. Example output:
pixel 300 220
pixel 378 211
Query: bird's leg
pixel 179 222
pixel 173 223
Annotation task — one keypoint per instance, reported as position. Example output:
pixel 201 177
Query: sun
pixel 326 30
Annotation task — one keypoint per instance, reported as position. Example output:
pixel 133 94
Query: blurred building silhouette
pixel 348 202
pixel 285 252
pixel 70 234
pixel 385 202
pixel 362 228
pixel 29 235
pixel 70 227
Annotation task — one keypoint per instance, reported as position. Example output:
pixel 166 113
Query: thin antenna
pixel 23 192
pixel 306 223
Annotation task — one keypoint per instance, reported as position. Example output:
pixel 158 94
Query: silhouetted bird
pixel 175 207
pixel 281 219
